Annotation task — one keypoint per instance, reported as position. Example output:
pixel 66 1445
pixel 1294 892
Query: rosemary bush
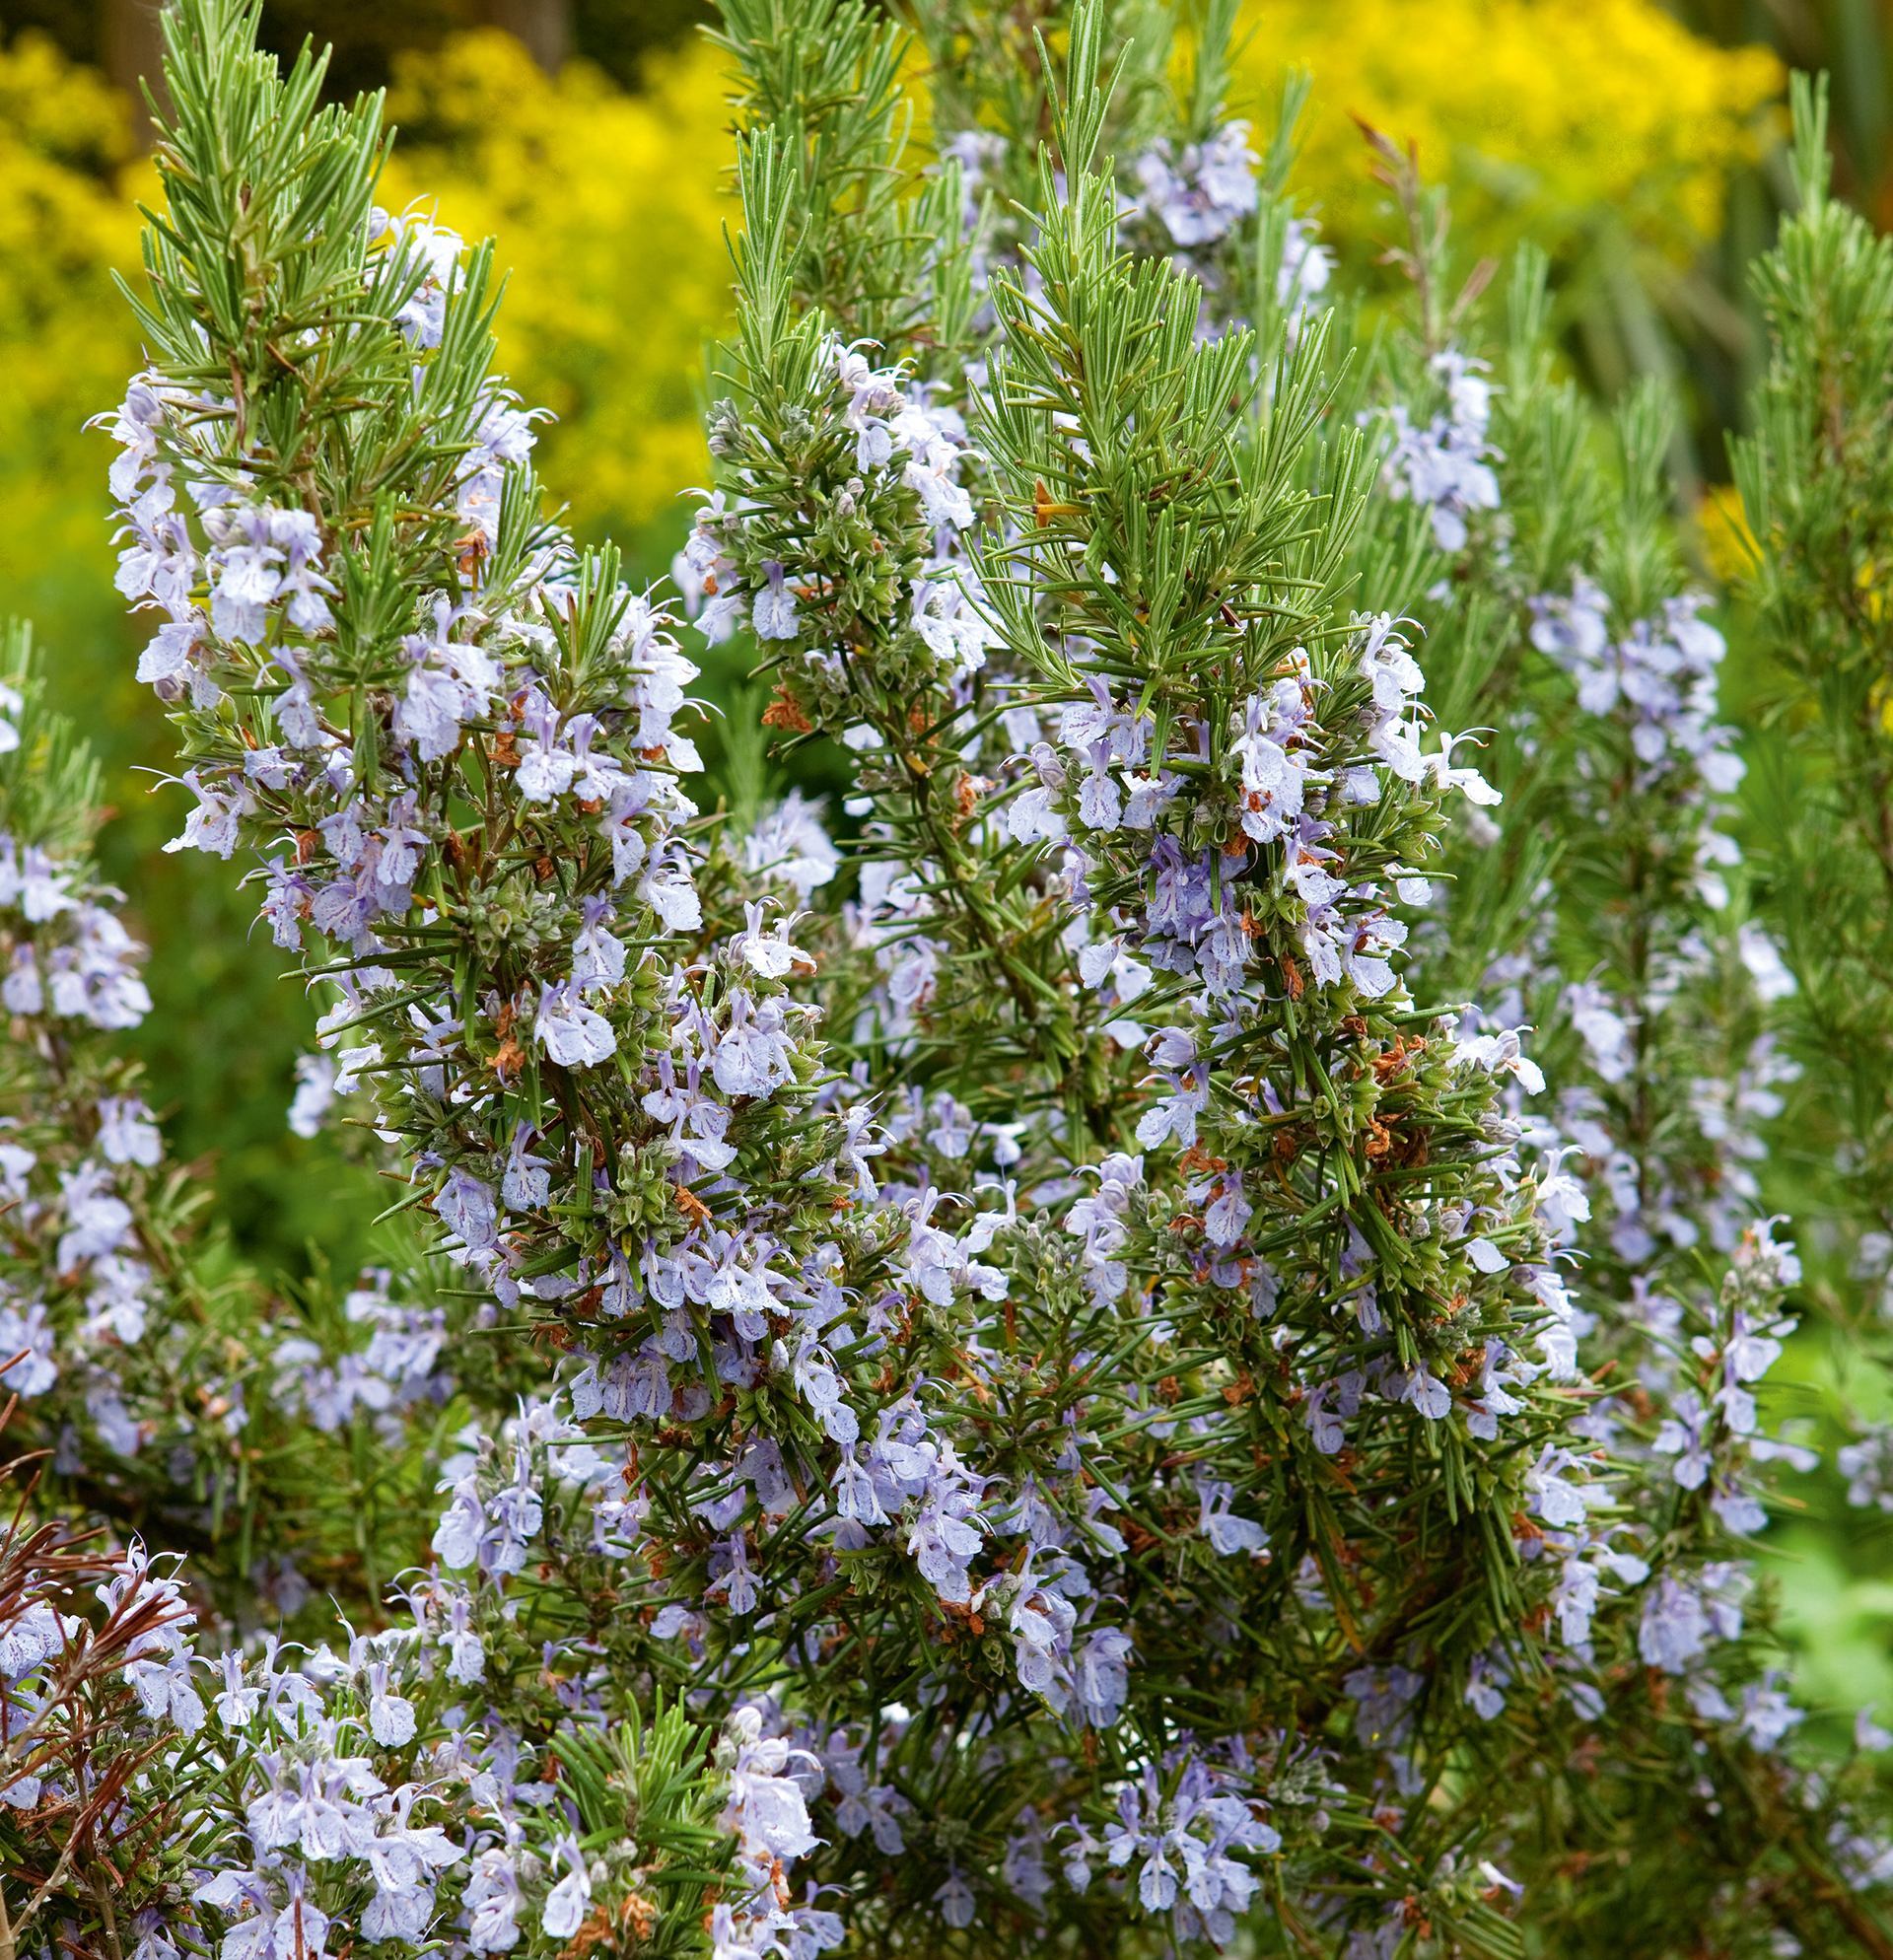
pixel 1050 1373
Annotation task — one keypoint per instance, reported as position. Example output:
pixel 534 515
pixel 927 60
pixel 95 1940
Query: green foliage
pixel 1816 478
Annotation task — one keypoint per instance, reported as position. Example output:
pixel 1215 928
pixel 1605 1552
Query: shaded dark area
pixel 1851 39
pixel 1720 343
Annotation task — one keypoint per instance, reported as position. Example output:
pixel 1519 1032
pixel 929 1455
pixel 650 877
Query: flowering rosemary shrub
pixel 136 1344
pixel 1052 1383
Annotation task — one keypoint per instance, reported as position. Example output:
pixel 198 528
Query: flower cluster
pixel 67 956
pixel 1303 273
pixel 351 1789
pixel 877 467
pixel 550 697
pixel 1446 468
pixel 1291 780
pixel 1659 681
pixel 398 1371
pixel 1652 761
pixel 88 1279
pixel 1186 1842
pixel 1198 192
pixel 1658 1032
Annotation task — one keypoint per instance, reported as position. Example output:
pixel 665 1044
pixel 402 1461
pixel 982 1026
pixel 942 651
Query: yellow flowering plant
pixel 1545 121
pixel 1608 135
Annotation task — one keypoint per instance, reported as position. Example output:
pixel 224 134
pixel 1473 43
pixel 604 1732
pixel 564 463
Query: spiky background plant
pixel 1081 1392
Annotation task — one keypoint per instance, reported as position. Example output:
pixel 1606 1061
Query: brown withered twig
pixel 1428 220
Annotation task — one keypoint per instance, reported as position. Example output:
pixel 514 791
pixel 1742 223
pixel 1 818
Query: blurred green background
pixel 1638 143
